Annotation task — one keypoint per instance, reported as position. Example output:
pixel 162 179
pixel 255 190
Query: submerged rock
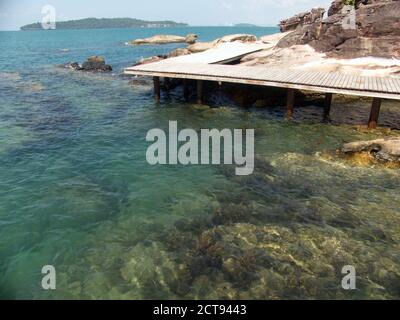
pixel 165 39
pixel 386 150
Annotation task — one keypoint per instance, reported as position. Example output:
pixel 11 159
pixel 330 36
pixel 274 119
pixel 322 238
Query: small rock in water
pixel 96 63
pixel 165 39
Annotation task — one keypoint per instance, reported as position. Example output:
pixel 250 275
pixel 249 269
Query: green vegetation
pixel 350 3
pixel 104 23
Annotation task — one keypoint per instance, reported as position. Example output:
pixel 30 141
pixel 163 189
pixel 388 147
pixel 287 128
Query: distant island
pixel 246 25
pixel 107 23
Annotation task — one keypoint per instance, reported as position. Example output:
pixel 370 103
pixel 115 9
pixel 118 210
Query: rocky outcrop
pixel 385 150
pixel 93 64
pixel 191 38
pixel 150 60
pixel 165 39
pixel 302 19
pixel 200 47
pixel 179 52
pixel 195 47
pixel 236 37
pixel 373 29
pixel 336 7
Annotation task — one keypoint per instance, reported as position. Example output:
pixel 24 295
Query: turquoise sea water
pixel 76 191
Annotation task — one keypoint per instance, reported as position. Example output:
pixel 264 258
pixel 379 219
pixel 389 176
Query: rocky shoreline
pixel 307 41
pixel 310 42
pixel 370 28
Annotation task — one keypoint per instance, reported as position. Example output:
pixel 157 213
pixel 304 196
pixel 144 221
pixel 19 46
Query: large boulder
pixel 191 38
pixel 236 37
pixel 165 39
pixel 179 52
pixel 200 47
pixel 376 31
pixel 386 150
pixel 96 63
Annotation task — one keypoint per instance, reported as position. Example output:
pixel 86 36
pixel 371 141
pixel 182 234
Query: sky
pixel 15 13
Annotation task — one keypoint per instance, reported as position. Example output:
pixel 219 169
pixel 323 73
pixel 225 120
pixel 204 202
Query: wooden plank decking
pixel 325 82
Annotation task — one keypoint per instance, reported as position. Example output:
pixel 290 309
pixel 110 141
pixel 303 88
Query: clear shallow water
pixel 77 193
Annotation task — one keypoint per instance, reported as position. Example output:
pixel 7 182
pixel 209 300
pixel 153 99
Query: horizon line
pixel 188 26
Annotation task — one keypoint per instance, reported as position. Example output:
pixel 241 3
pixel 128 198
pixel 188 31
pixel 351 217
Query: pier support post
pixel 327 106
pixel 290 103
pixel 167 84
pixel 157 90
pixel 374 115
pixel 199 92
pixel 186 89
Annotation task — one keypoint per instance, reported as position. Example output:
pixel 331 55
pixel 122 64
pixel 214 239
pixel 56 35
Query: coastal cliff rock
pixel 302 19
pixel 165 39
pixel 385 150
pixel 372 29
pixel 336 7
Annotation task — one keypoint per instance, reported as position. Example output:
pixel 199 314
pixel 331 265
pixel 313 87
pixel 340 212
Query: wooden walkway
pixel 326 82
